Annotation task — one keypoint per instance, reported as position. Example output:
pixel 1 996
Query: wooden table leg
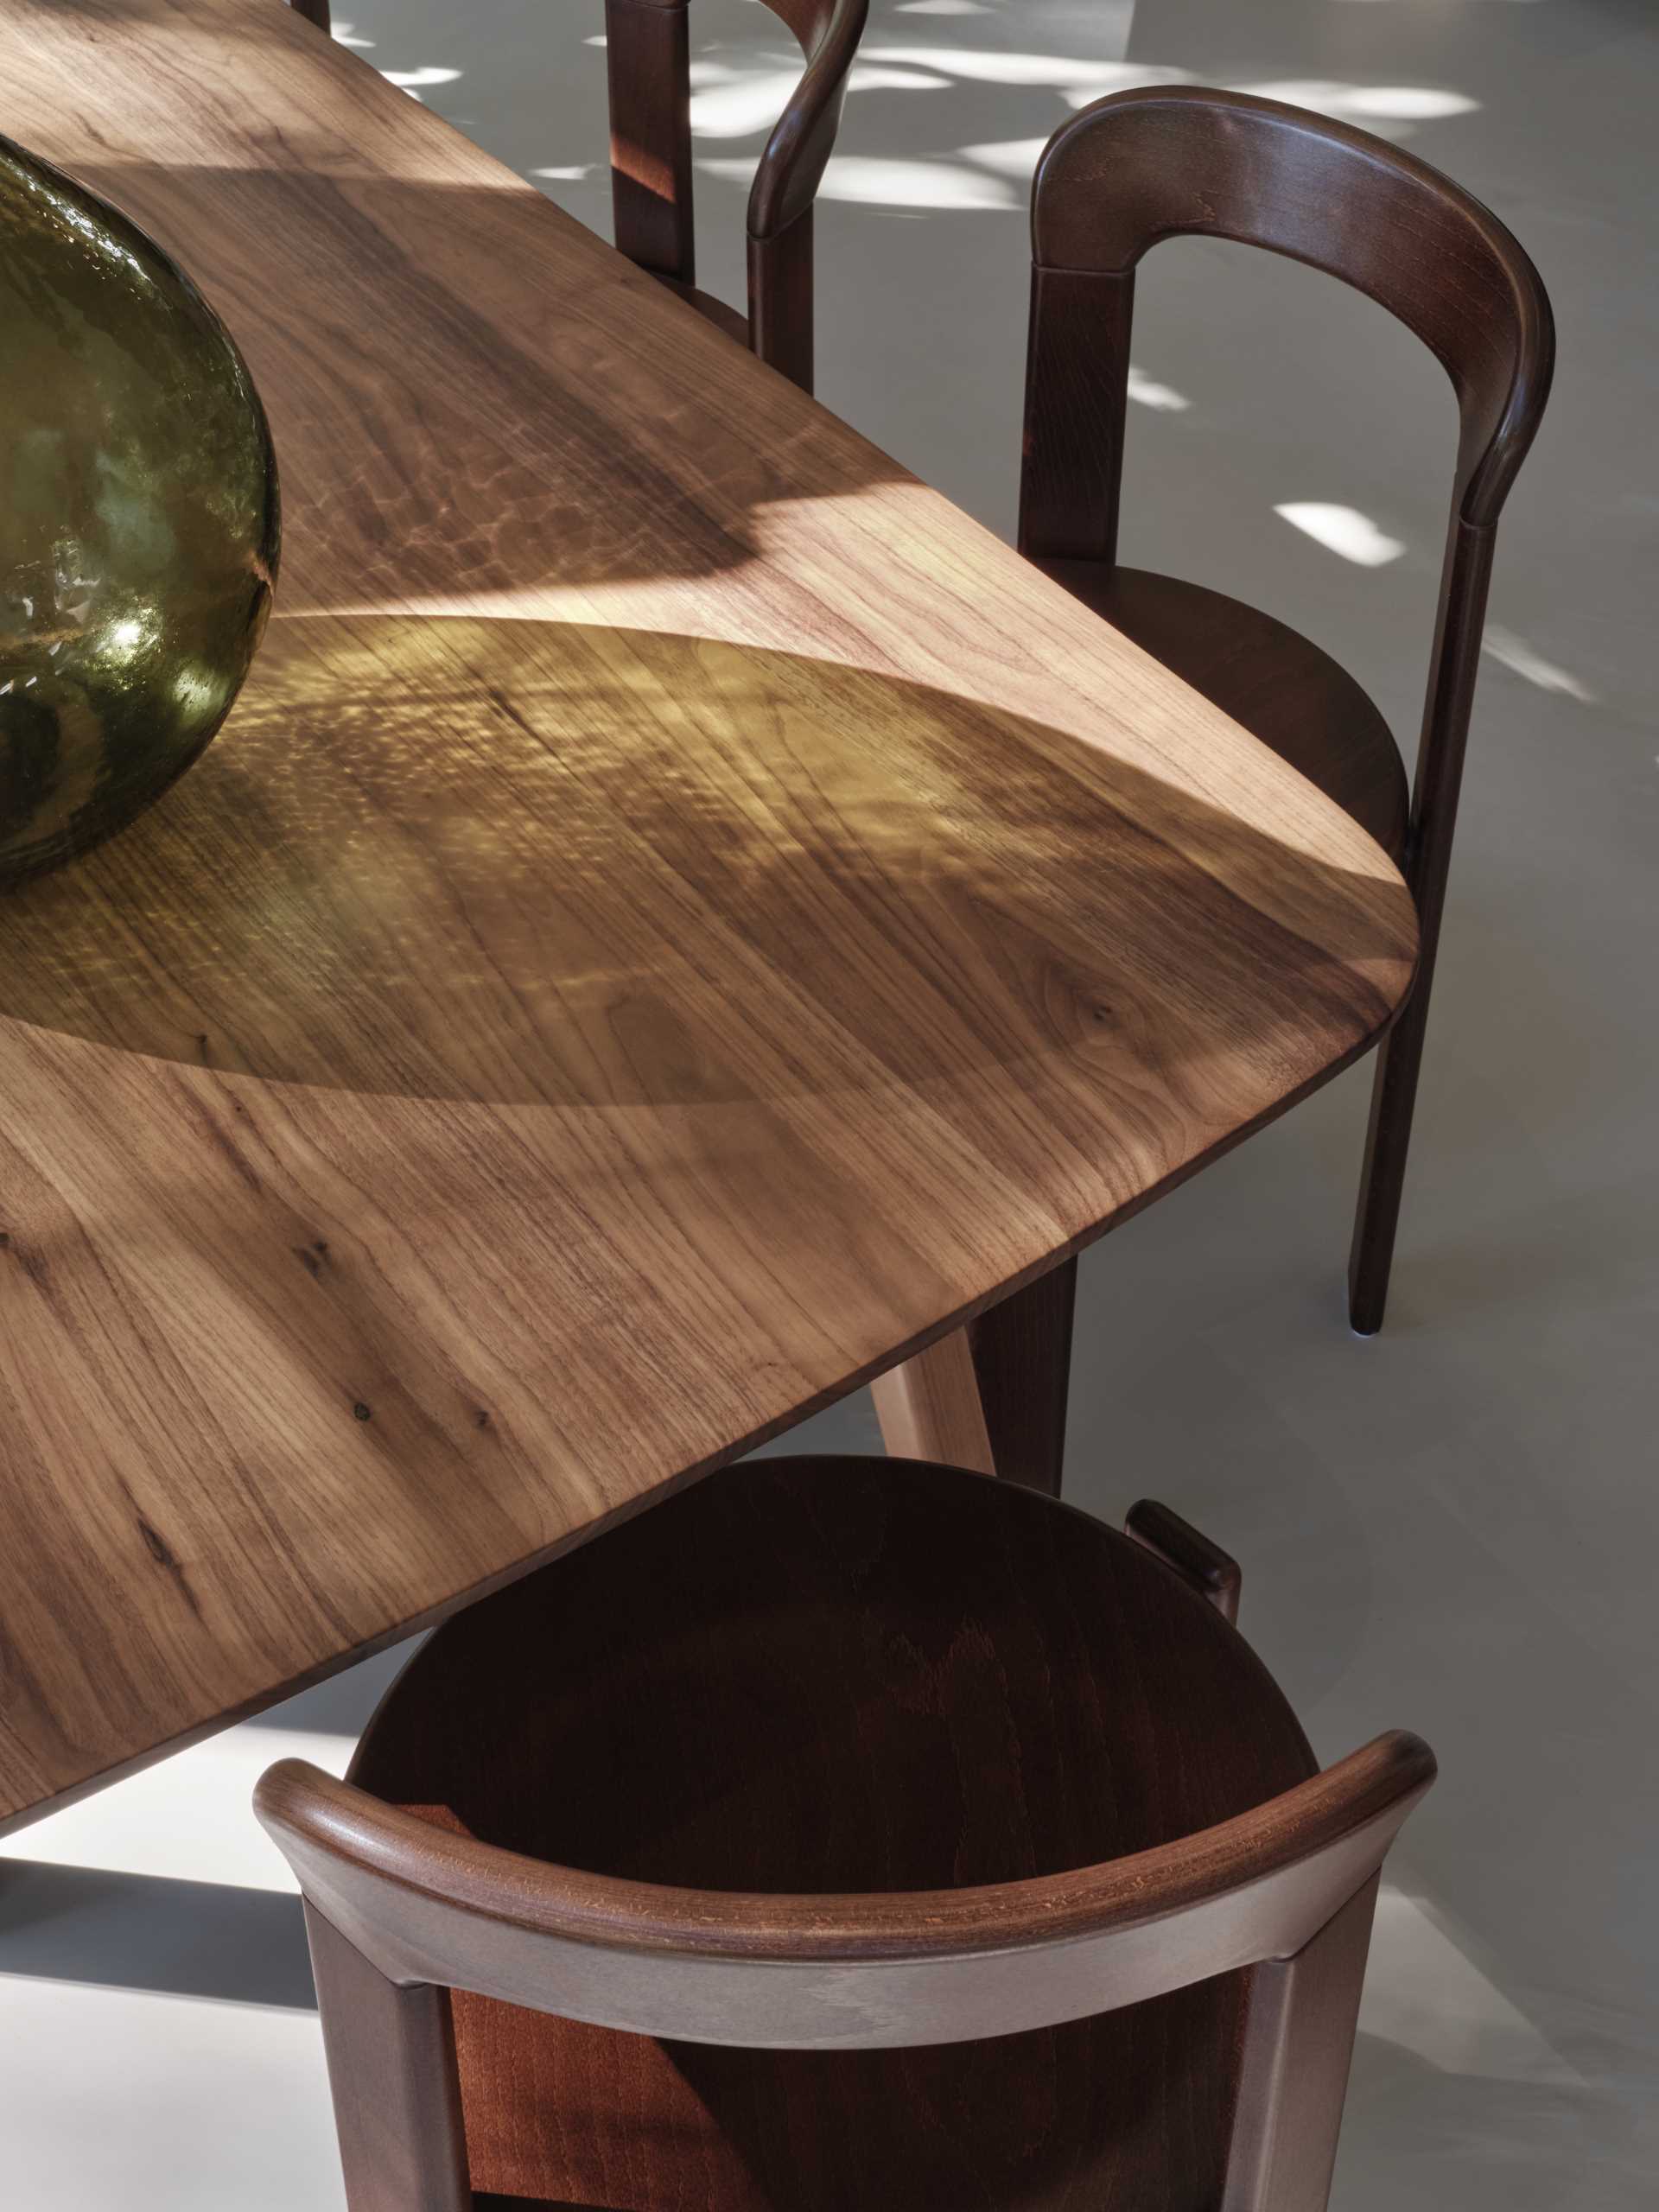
pixel 929 1407
pixel 993 1395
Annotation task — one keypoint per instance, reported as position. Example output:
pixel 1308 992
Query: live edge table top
pixel 680 916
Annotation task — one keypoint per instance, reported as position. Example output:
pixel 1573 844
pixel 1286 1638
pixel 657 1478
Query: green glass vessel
pixel 139 525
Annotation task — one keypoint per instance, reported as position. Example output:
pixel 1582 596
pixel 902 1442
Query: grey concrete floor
pixel 1450 1528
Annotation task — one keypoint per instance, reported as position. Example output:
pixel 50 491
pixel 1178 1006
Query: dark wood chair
pixel 844 1833
pixel 648 57
pixel 1158 163
pixel 1163 162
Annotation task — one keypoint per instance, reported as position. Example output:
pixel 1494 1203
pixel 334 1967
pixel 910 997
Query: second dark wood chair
pixel 1134 169
pixel 648 57
pixel 844 1834
pixel 1152 164
pixel 649 54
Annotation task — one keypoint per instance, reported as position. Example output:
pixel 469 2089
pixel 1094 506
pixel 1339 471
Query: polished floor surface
pixel 1451 1527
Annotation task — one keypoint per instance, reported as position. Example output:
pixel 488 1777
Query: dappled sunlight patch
pixel 1015 157
pixel 1060 71
pixel 727 103
pixel 866 78
pixel 1343 531
pixel 1518 656
pixel 868 181
pixel 1391 110
pixel 733 102
pixel 1144 723
pixel 1125 76
pixel 495 863
pixel 415 81
pixel 1147 391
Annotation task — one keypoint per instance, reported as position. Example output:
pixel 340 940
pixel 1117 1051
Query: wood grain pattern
pixel 680 918
pixel 843 1770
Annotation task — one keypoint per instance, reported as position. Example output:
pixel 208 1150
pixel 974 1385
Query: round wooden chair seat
pixel 815 1675
pixel 1280 686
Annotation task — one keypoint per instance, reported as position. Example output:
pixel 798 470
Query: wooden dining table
pixel 680 921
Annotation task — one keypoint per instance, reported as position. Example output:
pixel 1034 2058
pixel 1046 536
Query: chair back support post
pixel 1454 666
pixel 1454 663
pixel 648 60
pixel 394 2079
pixel 1076 394
pixel 780 299
pixel 1298 2043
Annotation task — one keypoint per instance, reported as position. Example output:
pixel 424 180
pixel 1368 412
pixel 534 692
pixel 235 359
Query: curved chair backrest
pixel 402 1910
pixel 648 51
pixel 1164 162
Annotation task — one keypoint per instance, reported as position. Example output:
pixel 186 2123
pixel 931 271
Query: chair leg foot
pixel 1369 1269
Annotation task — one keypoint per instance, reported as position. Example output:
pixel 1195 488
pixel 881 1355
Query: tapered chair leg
pixel 1388 1139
